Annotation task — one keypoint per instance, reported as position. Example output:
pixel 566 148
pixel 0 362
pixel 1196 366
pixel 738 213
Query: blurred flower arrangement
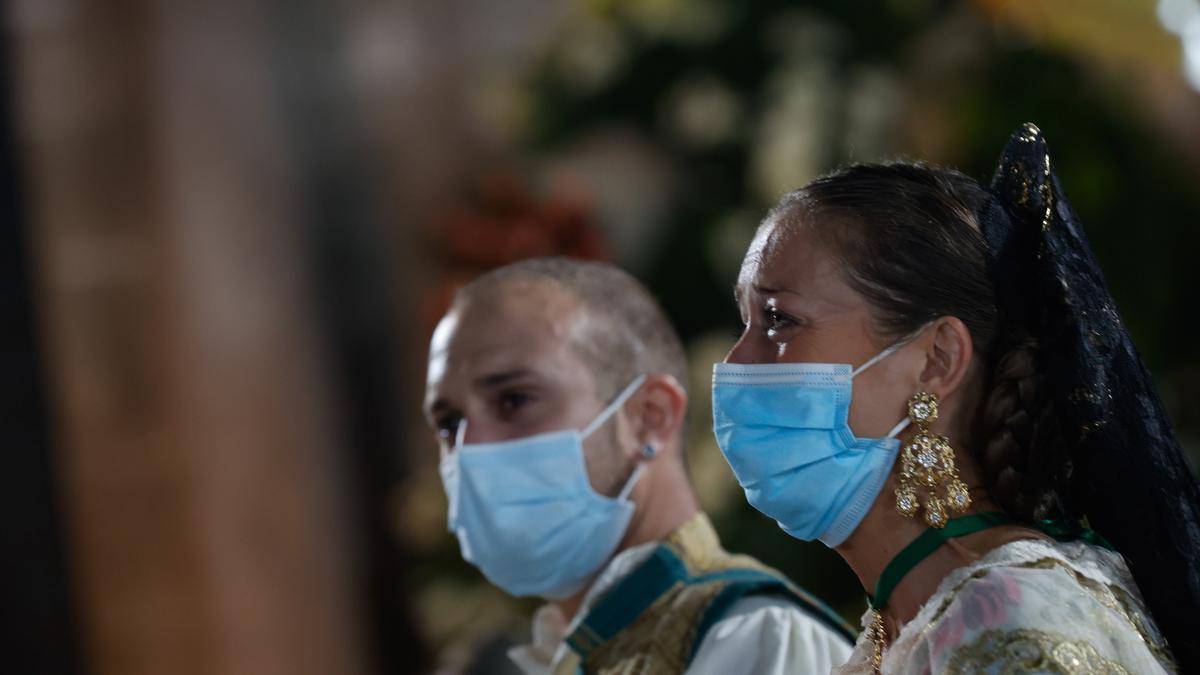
pixel 505 223
pixel 502 222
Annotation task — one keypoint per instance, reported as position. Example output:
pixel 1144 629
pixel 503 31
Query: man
pixel 556 388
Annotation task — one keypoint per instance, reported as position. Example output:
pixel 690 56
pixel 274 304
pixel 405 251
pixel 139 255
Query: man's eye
pixel 447 426
pixel 512 401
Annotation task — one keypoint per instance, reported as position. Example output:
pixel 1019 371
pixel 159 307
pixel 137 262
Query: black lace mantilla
pixel 1130 476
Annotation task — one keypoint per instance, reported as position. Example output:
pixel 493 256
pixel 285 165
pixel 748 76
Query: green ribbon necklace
pixel 931 539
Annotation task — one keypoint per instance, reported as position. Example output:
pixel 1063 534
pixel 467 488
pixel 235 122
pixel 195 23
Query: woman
pixel 998 404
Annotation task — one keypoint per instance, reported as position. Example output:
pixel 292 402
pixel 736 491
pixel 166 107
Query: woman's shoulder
pixel 1036 606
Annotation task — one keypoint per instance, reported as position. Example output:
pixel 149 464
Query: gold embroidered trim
pixel 1113 597
pixel 1022 651
pixel 1120 602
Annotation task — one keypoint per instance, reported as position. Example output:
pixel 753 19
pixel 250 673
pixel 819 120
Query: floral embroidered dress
pixel 1029 606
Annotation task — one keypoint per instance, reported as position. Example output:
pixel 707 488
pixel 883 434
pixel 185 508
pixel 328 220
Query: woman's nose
pixel 743 350
pixel 754 347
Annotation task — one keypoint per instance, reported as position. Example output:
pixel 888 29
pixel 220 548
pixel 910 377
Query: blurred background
pixel 230 226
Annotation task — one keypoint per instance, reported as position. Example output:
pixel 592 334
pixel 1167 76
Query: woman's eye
pixel 774 321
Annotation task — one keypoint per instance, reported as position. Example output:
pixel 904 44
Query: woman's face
pixel 797 307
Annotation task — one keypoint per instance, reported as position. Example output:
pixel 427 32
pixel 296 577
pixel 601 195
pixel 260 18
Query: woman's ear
pixel 947 356
pixel 661 410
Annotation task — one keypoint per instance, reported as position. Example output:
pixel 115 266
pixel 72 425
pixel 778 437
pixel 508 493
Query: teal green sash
pixel 621 605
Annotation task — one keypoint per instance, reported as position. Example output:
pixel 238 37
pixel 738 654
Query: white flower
pixel 1182 17
pixel 592 54
pixel 791 145
pixel 702 111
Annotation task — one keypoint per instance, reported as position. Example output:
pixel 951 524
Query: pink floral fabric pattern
pixel 1028 607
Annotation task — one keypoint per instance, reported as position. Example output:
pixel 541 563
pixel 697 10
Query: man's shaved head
pixel 624 332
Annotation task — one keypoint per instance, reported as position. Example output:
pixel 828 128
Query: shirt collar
pixel 550 627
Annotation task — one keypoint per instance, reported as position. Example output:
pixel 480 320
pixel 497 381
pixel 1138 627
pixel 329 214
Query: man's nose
pixel 473 431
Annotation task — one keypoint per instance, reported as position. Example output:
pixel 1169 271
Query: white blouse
pixel 1029 606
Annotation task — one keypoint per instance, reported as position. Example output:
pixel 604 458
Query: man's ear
pixel 948 353
pixel 661 407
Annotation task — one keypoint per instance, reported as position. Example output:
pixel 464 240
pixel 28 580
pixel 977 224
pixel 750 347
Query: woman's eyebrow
pixel 770 290
pixel 777 291
pixel 740 289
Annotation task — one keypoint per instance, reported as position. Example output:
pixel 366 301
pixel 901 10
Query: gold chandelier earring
pixel 927 465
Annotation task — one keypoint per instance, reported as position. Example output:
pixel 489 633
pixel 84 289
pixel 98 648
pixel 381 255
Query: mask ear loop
pixel 603 417
pixel 460 434
pixel 878 357
pixel 612 407
pixel 633 479
pixel 890 350
pixel 900 426
pixel 648 453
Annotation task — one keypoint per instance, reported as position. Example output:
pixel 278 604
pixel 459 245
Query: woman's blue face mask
pixel 784 429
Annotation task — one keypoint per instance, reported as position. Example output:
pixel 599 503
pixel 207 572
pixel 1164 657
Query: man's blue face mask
pixel 525 512
pixel 784 429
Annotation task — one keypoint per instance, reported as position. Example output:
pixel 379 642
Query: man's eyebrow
pixel 486 381
pixel 436 407
pixel 503 377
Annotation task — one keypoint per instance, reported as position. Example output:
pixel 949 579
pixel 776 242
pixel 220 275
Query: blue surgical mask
pixel 525 512
pixel 784 429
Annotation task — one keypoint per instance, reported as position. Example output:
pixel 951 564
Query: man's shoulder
pixel 769 634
